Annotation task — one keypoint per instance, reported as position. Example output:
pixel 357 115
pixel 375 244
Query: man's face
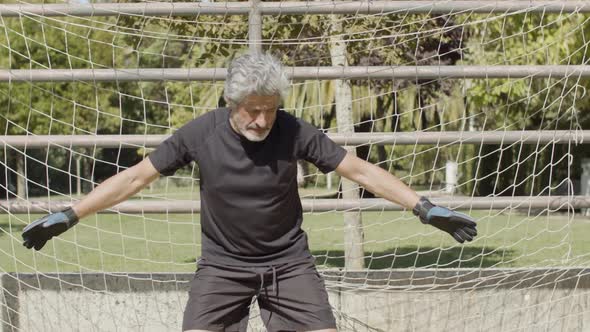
pixel 254 117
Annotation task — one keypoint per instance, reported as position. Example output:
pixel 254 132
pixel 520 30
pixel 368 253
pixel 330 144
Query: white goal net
pixel 480 106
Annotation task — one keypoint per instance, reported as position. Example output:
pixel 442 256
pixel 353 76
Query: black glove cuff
pixel 422 207
pixel 72 217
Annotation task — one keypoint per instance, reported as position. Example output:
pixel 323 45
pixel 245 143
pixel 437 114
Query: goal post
pixel 480 105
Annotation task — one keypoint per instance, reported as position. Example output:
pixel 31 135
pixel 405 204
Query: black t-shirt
pixel 250 207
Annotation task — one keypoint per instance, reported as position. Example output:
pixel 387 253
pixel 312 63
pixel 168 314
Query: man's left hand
pixel 460 226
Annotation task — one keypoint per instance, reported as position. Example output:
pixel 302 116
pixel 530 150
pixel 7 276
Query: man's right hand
pixel 37 233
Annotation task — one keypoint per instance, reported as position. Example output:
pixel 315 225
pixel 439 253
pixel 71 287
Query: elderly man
pixel 253 247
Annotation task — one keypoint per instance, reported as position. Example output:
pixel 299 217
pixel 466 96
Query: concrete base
pixel 525 300
pixel 504 310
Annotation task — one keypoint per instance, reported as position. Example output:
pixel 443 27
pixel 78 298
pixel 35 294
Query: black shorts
pixel 291 297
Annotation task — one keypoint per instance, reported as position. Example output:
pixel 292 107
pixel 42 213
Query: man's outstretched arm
pixel 382 183
pixel 110 192
pixel 378 181
pixel 117 188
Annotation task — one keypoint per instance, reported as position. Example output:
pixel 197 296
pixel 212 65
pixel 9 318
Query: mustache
pixel 257 127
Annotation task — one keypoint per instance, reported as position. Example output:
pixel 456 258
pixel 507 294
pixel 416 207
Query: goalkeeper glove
pixel 461 226
pixel 37 233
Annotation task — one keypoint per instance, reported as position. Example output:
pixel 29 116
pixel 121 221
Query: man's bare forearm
pixel 378 181
pixel 384 184
pixel 112 191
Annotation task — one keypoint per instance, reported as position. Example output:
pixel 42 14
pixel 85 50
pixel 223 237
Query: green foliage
pixel 526 104
pixel 379 105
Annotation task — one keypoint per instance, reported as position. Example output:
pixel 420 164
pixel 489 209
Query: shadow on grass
pixel 423 257
pixel 6 228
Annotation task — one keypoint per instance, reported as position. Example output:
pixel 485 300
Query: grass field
pixel 170 243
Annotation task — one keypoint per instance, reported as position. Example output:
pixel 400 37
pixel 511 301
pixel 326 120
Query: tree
pixel 527 104
pixel 62 107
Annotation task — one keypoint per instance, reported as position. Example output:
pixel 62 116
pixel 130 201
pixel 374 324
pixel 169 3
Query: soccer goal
pixel 480 105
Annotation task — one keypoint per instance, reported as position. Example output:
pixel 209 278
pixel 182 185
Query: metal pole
pixel 294 8
pixel 298 73
pixel 255 27
pixel 552 203
pixel 585 182
pixel 403 138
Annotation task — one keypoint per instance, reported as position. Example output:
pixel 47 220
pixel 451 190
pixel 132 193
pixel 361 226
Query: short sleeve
pixel 172 154
pixel 317 148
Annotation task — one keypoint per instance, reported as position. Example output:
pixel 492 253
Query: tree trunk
pixel 78 175
pixel 21 176
pixel 353 233
pixel 380 127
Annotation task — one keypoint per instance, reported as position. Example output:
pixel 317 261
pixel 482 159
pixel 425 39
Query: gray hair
pixel 255 74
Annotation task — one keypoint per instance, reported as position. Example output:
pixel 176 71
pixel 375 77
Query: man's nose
pixel 262 120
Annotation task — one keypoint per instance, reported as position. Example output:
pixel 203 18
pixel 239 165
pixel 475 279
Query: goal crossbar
pixel 396 138
pixel 293 8
pixel 318 205
pixel 298 73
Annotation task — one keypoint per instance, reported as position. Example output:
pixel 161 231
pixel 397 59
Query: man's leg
pixel 218 300
pixel 296 301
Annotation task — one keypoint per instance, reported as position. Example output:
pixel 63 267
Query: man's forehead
pixel 261 101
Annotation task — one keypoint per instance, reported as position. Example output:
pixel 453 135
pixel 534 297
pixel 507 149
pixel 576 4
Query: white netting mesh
pixel 524 271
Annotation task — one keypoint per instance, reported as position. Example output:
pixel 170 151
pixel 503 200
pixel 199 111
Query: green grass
pixel 170 243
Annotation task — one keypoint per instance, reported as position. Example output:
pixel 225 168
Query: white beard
pixel 253 137
pixel 248 134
